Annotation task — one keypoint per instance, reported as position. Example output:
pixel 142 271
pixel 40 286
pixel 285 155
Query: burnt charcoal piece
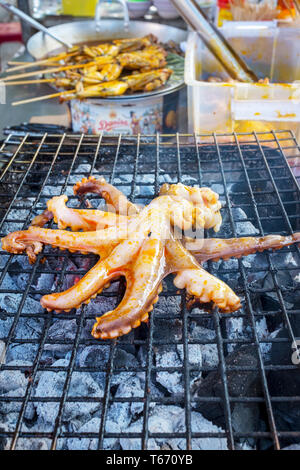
pixel 240 384
pixel 285 383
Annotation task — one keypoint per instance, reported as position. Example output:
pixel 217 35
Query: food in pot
pixel 108 69
pixel 142 245
pixel 146 81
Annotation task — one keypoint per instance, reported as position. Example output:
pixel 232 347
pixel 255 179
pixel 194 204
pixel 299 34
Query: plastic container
pixel 138 8
pixel 241 107
pixel 79 8
pixel 165 9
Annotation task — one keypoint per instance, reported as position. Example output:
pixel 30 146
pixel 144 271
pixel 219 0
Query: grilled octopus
pixel 141 244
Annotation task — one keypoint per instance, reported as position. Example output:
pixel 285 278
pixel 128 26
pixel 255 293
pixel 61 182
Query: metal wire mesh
pixel 251 172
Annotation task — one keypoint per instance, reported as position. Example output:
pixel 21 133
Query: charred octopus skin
pixel 140 244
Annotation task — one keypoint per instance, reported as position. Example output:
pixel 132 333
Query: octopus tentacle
pixel 42 219
pixel 95 280
pixel 112 195
pixel 216 248
pixel 32 240
pixel 82 219
pixel 200 284
pixel 143 281
pixel 204 287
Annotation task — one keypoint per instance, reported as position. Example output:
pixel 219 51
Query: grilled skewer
pixel 108 69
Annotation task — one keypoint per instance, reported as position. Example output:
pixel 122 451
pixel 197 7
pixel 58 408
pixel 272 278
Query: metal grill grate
pixel 238 392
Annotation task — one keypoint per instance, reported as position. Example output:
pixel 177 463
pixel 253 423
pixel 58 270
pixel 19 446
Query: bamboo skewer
pixel 55 70
pixel 31 82
pixel 16 62
pixel 41 98
pixel 26 65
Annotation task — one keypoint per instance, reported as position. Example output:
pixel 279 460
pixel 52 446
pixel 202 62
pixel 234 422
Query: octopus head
pixel 205 203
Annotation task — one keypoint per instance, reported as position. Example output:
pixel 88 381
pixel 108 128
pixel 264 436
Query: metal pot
pixel 78 32
pixel 121 113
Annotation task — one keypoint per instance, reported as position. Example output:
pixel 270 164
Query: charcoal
pixel 243 226
pixel 32 305
pixel 94 356
pixel 51 384
pixel 10 407
pixel 123 359
pixel 240 384
pixel 209 352
pixel 194 354
pixel 61 331
pixel 4 442
pixel 9 303
pixel 33 444
pixel 292 447
pixel 168 322
pixel 17 280
pixel 128 443
pixel 29 328
pixel 169 306
pixel 171 419
pixel 198 424
pixel 168 356
pixel 120 414
pixel 11 380
pixel 284 383
pixel 2 352
pixel 44 282
pixel 132 388
pixel 93 426
pixel 235 328
pixel 23 353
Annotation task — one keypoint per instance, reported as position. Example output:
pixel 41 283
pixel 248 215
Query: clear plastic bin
pixel 241 107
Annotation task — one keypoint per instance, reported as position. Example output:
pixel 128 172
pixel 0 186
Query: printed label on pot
pixel 144 117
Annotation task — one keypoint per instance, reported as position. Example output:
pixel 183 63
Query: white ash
pixel 2 352
pixel 236 330
pixel 51 384
pixel 292 447
pixel 146 178
pixel 122 413
pixel 11 380
pixel 4 442
pixel 32 443
pixel 20 214
pixel 93 426
pixel 209 352
pixel 3 260
pixel 9 227
pixel 171 419
pixel 189 180
pixel 24 353
pixel 166 178
pixel 83 168
pixel 50 191
pixel 172 381
pixel 167 306
pixel 124 178
pixel 61 330
pixel 242 225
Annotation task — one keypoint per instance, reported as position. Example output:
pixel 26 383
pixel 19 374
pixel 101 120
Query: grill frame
pixel 13 155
